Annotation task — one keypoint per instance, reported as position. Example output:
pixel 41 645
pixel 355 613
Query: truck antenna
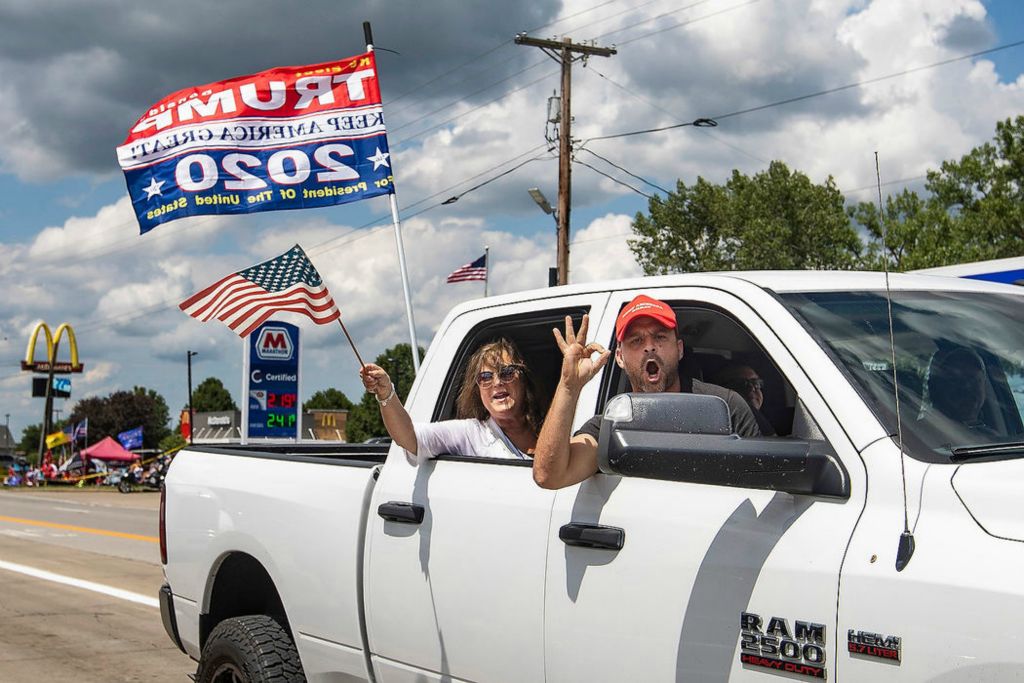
pixel 905 550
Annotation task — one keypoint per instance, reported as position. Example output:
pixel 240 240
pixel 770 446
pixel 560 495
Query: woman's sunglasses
pixel 507 373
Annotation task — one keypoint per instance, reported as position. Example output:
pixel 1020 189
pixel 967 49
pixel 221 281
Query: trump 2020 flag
pixel 286 138
pixel 244 300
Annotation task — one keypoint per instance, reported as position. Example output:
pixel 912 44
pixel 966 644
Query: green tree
pixel 122 410
pixel 211 396
pixel 777 219
pixel 974 209
pixel 328 399
pixel 171 441
pixel 364 418
pixel 29 444
pixel 984 191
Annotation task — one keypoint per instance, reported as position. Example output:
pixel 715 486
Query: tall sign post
pixel 51 366
pixel 270 391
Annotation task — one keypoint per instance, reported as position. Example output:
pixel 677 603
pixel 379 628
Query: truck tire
pixel 250 649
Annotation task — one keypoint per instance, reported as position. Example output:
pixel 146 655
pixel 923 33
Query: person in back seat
pixel 745 381
pixel 648 351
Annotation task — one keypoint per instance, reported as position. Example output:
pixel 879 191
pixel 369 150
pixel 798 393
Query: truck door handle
pixel 593 536
pixel 403 513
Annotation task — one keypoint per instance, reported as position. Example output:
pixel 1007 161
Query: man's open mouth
pixel 652 370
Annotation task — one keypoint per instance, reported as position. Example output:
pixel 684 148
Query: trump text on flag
pixel 287 138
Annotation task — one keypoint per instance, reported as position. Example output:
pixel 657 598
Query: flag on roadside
pixel 82 429
pixel 477 270
pixel 286 138
pixel 244 300
pixel 57 439
pixel 131 438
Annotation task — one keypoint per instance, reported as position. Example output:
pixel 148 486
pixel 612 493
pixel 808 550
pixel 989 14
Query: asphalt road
pixel 50 631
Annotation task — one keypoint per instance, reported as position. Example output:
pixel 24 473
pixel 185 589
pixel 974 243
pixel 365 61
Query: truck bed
pixel 289 515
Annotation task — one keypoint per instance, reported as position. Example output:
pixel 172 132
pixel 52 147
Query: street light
pixel 545 206
pixel 191 417
pixel 542 202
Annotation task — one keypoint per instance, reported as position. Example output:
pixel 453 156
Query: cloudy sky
pixel 463 104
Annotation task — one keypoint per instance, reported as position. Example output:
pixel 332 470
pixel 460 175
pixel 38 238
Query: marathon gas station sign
pixel 272 382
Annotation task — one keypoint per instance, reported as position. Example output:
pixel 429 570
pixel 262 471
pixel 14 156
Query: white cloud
pixel 120 289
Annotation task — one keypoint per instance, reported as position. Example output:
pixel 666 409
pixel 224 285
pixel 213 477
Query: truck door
pixel 459 595
pixel 712 583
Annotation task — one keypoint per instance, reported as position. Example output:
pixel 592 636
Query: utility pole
pixel 565 52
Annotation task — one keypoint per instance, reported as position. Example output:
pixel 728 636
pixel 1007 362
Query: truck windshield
pixel 959 362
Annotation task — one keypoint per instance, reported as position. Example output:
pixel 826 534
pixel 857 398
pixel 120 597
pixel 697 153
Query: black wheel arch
pixel 240 587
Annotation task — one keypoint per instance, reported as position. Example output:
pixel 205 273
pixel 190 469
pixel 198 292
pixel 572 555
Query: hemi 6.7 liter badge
pixel 874 645
pixel 776 647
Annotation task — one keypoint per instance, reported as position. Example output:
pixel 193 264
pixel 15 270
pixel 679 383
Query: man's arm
pixel 561 460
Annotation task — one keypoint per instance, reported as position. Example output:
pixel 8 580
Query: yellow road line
pixel 81 529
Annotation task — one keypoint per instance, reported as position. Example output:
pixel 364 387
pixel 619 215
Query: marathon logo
pixel 874 645
pixel 775 646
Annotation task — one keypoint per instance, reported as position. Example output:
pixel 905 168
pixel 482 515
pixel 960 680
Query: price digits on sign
pixel 280 400
pixel 280 419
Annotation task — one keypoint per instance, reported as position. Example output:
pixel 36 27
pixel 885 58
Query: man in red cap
pixel 648 351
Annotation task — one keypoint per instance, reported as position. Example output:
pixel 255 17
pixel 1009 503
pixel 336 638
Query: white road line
pixel 78 511
pixel 79 583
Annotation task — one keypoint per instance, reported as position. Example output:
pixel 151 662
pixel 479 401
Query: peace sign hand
pixel 578 365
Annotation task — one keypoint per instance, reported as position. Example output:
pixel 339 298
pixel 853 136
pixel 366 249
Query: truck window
pixel 531 333
pixel 716 344
pixel 959 362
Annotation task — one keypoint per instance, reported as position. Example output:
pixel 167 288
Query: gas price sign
pixel 273 380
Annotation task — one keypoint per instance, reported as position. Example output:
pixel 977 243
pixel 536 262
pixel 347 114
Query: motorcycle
pixel 145 481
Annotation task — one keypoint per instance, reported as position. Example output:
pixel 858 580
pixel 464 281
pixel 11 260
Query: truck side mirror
pixel 687 437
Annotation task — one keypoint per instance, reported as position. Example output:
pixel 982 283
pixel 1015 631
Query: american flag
pixel 244 300
pixel 477 270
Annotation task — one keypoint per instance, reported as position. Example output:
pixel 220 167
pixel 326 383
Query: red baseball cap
pixel 644 306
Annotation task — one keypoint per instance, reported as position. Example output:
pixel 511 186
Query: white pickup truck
pixel 695 555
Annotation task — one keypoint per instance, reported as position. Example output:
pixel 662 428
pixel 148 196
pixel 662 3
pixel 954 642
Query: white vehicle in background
pixel 694 555
pixel 1008 271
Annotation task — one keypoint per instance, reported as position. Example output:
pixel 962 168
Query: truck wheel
pixel 251 649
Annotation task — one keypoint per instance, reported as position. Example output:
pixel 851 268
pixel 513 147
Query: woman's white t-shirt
pixel 475 438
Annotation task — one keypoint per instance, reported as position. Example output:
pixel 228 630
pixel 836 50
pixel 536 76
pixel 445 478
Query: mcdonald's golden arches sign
pixel 52 343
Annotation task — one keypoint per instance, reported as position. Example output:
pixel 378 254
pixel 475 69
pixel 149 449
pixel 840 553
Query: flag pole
pixel 368 35
pixel 487 267
pixel 351 343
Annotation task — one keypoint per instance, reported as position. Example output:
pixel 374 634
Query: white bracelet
pixel 384 403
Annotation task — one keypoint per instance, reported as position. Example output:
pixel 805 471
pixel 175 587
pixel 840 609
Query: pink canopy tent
pixel 108 449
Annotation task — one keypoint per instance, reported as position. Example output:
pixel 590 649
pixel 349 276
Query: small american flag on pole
pixel 477 270
pixel 245 299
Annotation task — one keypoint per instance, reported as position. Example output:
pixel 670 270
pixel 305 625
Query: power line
pixel 486 53
pixel 350 237
pixel 627 172
pixel 650 19
pixel 612 178
pixel 634 95
pixel 406 140
pixel 712 121
pixel 869 81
